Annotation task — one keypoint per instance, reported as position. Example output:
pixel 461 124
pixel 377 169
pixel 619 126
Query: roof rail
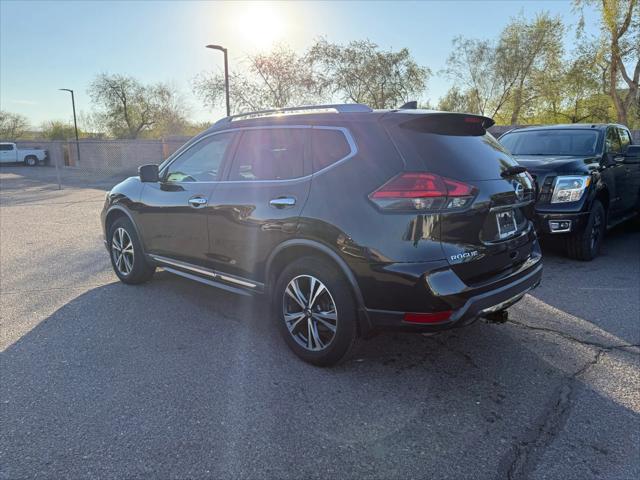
pixel 337 107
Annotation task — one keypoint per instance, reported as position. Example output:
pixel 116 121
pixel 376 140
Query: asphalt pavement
pixel 173 379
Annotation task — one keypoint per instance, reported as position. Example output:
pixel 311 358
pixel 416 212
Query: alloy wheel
pixel 122 251
pixel 309 312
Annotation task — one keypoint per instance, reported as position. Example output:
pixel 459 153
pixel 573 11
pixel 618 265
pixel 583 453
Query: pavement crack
pixel 525 454
pixel 571 338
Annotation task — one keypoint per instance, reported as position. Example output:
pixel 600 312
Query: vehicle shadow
pixel 173 379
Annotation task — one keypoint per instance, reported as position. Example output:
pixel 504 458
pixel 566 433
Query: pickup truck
pixel 10 153
pixel 588 179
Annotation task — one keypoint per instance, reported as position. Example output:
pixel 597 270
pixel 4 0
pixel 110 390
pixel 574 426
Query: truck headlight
pixel 569 188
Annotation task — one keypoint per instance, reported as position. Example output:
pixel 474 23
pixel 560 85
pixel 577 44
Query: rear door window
pixel 6 147
pixel 270 154
pixel 328 146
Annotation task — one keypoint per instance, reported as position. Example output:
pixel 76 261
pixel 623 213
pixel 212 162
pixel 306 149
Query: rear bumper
pixel 551 223
pixel 467 304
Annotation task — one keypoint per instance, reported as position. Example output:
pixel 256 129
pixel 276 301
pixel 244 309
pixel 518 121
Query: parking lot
pixel 173 379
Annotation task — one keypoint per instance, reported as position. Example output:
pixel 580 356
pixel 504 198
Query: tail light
pixel 423 191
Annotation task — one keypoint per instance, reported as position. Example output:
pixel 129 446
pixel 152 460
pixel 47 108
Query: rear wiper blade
pixel 511 171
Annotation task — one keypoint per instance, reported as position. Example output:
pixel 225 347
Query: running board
pixel 206 281
pixel 208 276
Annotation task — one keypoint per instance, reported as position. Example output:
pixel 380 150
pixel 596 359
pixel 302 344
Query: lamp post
pixel 226 74
pixel 75 122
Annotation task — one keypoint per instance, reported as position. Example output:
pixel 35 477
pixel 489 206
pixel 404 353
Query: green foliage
pixel 12 125
pixel 618 49
pixel 276 79
pixel 362 73
pixel 128 108
pixel 58 130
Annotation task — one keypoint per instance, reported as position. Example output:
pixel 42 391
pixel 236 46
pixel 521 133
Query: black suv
pixel 351 220
pixel 588 178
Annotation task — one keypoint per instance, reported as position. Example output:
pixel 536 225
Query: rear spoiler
pixel 445 123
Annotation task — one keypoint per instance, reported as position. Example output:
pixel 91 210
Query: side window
pixel 202 161
pixel 625 138
pixel 328 146
pixel 270 154
pixel 6 147
pixel 613 141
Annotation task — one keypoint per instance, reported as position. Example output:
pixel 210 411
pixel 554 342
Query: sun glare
pixel 261 24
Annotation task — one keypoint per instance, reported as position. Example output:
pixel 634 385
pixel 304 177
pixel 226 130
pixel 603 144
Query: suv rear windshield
pixel 551 142
pixel 455 153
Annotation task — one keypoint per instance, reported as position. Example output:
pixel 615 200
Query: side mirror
pixel 609 159
pixel 632 154
pixel 149 173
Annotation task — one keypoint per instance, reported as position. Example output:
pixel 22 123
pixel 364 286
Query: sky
pixel 49 45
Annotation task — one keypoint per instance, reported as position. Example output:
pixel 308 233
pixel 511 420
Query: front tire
pixel 315 311
pixel 585 245
pixel 125 250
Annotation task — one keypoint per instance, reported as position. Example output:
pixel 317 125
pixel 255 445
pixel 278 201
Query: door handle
pixel 282 202
pixel 197 202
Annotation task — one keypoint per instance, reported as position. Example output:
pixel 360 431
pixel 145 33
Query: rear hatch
pixel 491 234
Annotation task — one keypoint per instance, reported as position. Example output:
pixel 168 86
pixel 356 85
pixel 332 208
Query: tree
pixel 473 67
pixel 129 108
pixel 276 79
pixel 360 72
pixel 457 101
pixel 12 125
pixel 532 52
pixel 506 75
pixel 58 130
pixel 620 27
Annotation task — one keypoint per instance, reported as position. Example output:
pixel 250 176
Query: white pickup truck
pixel 9 153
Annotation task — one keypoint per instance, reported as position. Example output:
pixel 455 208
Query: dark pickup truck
pixel 588 179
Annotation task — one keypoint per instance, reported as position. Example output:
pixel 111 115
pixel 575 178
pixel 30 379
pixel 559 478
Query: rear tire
pixel 585 245
pixel 315 311
pixel 30 161
pixel 125 250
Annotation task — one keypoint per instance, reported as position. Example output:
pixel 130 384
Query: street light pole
pixel 226 74
pixel 75 122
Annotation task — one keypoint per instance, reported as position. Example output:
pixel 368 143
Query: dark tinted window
pixel 625 138
pixel 6 147
pixel 612 141
pixel 200 162
pixel 328 147
pixel 462 157
pixel 270 154
pixel 551 142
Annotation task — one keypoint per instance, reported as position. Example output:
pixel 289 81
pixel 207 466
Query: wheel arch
pixel 116 212
pixel 297 248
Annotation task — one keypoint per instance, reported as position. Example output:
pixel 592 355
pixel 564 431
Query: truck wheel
pixel 30 161
pixel 586 244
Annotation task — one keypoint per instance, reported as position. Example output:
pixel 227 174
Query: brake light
pixel 422 191
pixel 435 317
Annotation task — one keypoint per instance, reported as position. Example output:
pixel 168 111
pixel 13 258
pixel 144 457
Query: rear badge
pixel 518 188
pixel 464 256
